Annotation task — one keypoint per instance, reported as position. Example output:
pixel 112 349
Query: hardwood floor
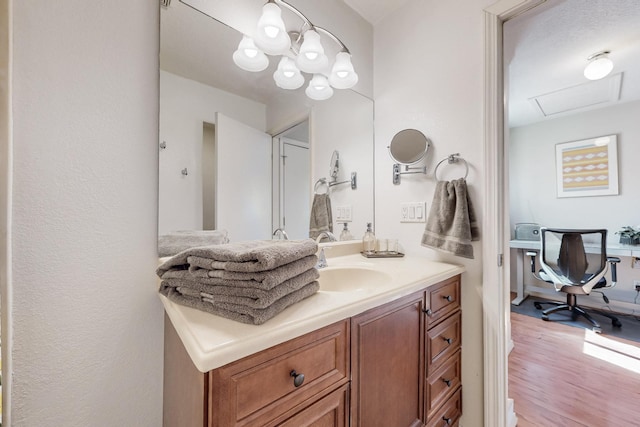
pixel 565 376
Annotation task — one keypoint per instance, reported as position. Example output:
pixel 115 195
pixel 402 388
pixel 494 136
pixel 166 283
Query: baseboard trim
pixel 512 418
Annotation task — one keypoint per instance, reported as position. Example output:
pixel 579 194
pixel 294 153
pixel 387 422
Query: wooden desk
pixel 613 249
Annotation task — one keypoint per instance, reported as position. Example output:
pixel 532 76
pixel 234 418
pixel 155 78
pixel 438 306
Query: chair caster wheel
pixel 597 330
pixel 537 305
pixel 616 323
pixel 545 317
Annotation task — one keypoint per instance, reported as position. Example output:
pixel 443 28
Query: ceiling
pixel 546 51
pixel 375 10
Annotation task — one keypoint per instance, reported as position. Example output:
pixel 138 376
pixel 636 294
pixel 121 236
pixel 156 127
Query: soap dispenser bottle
pixel 346 234
pixel 369 241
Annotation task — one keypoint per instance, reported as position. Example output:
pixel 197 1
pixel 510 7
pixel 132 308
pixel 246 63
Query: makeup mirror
pixel 408 147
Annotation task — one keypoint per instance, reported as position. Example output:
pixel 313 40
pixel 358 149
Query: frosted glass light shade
pixel 287 76
pixel 319 88
pixel 249 57
pixel 343 76
pixel 271 35
pixel 598 68
pixel 311 58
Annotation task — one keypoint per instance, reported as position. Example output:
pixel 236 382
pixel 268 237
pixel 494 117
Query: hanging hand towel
pixel 451 224
pixel 321 219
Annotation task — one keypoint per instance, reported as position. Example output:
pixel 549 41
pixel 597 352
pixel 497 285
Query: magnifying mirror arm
pixel 397 171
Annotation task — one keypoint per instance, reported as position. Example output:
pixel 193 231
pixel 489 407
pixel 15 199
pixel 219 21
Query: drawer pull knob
pixel 298 379
pixel 428 312
pixel 447 382
pixel 448 340
pixel 448 298
pixel 447 420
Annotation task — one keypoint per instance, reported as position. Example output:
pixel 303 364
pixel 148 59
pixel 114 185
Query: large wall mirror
pixel 236 152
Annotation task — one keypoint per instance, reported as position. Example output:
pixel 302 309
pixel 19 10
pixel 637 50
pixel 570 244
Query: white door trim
pixel 498 410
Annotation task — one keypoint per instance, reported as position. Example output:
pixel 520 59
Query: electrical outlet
pixel 636 285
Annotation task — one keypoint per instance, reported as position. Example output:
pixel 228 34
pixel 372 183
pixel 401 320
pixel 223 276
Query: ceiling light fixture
pixel 301 51
pixel 599 65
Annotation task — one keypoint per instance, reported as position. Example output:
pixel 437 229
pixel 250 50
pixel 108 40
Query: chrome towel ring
pixel 452 159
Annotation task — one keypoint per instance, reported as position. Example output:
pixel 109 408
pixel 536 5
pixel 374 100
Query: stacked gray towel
pixel 245 281
pixel 175 242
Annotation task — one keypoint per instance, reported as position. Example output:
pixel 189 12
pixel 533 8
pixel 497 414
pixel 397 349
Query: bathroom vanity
pixel 378 345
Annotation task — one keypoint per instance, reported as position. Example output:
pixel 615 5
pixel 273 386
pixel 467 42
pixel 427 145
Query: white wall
pixel 184 106
pixel 532 179
pixel 532 176
pixel 429 76
pixel 87 321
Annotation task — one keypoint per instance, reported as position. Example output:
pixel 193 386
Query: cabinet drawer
pixel 443 340
pixel 441 300
pixel 449 414
pixel 331 410
pixel 442 383
pixel 260 387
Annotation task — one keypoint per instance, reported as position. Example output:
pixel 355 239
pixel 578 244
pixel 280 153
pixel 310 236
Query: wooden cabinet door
pixel 330 411
pixel 387 364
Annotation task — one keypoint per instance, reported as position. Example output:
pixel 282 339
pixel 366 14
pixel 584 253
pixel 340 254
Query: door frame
pixel 498 408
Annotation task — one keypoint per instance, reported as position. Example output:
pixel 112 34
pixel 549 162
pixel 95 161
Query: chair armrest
pixel 533 260
pixel 614 273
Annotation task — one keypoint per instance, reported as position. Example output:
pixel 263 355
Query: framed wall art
pixel 588 167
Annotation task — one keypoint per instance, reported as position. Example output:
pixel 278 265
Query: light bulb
pixel 248 57
pixel 343 76
pixel 319 88
pixel 287 76
pixel 271 31
pixel 251 53
pixel 271 35
pixel 311 58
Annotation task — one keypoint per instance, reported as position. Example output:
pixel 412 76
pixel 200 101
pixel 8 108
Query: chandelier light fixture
pixel 301 51
pixel 599 65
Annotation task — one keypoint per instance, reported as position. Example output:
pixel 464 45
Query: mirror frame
pixel 405 137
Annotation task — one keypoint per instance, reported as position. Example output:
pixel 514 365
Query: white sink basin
pixel 351 278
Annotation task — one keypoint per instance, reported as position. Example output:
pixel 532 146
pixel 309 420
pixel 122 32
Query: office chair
pixel 575 262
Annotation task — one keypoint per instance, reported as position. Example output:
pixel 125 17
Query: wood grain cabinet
pixel 443 382
pixel 304 378
pixel 395 365
pixel 405 359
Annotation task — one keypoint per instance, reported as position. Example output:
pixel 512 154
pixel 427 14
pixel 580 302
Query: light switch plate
pixel 413 212
pixel 343 213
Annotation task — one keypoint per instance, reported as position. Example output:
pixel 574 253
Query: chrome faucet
pixel 322 258
pixel 281 232
pixel 329 235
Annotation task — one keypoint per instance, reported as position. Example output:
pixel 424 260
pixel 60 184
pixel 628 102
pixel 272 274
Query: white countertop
pixel 212 341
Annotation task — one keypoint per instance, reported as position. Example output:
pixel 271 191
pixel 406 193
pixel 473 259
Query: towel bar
pixel 328 184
